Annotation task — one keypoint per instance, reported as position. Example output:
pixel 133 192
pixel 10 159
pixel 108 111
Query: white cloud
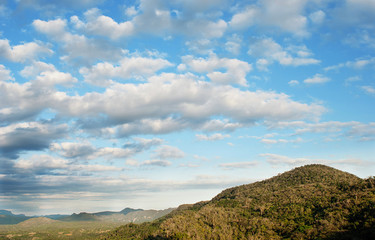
pixel 246 18
pixel 293 83
pixel 317 79
pixel 369 89
pixel 358 64
pixel 73 149
pixel 167 103
pixel 354 130
pixel 23 52
pixel 51 78
pixel 5 74
pixel 233 44
pixel 269 51
pixel 238 165
pixel 101 25
pixel 273 141
pixel 317 17
pixel 36 68
pixel 131 11
pixel 159 163
pixel 169 152
pixel 101 74
pixel 85 150
pixel 77 48
pixel 236 70
pixel 213 137
pixel 286 16
pixel 48 164
pixel 27 136
pixel 275 159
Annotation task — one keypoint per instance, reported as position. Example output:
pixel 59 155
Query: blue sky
pixel 152 104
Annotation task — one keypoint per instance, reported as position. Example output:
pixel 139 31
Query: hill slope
pixel 310 202
pixel 34 222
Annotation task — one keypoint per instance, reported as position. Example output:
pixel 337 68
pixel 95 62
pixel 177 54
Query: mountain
pixel 7 217
pixel 129 210
pixel 123 212
pixel 309 202
pixel 83 216
pixel 127 215
pixel 137 216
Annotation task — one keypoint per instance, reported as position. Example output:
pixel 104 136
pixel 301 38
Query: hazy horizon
pixel 152 104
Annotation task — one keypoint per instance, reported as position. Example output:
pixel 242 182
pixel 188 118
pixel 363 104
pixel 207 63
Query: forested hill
pixel 309 202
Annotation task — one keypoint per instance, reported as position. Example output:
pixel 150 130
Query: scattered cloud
pixel 28 136
pixel 268 51
pixel 357 64
pixel 158 163
pixel 5 74
pixel 236 70
pixel 317 79
pixel 213 137
pixel 78 49
pixel 102 73
pixel 369 90
pixel 97 24
pixel 286 16
pixel 169 152
pixel 293 83
pixel 238 165
pixel 23 52
pixel 275 159
pixel 354 130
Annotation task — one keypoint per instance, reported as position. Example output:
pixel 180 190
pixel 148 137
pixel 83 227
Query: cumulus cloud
pixel 317 79
pixel 233 45
pixel 186 102
pixel 48 165
pixel 357 64
pixel 169 152
pixel 36 68
pixel 86 151
pixel 275 159
pixel 353 129
pixel 23 52
pixel 317 17
pixel 213 137
pixel 156 162
pixel 238 165
pixel 293 83
pixel 5 74
pixel 369 89
pixel 77 48
pixel 236 70
pixel 97 24
pixel 268 51
pixel 102 74
pixel 186 99
pixel 286 16
pixel 28 136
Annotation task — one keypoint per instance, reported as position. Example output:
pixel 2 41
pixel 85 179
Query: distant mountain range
pixel 127 215
pixel 309 202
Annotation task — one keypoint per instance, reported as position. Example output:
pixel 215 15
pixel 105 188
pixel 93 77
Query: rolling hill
pixel 309 202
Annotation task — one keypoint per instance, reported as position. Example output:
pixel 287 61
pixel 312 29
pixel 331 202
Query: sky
pixel 151 104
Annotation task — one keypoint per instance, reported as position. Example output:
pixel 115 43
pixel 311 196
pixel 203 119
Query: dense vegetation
pixel 310 202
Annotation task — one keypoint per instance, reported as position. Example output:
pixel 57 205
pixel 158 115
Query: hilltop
pixel 34 222
pixel 309 202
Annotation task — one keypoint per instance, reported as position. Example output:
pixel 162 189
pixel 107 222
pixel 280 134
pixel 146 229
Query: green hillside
pixel 310 202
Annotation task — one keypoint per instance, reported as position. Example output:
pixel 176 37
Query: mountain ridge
pixel 308 202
